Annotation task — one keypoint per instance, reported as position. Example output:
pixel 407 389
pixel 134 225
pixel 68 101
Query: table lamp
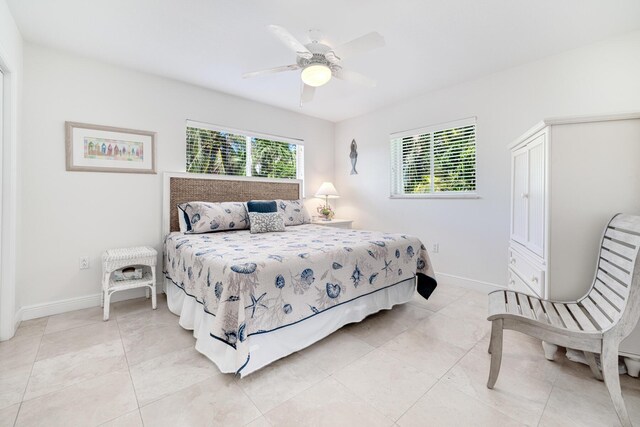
pixel 327 190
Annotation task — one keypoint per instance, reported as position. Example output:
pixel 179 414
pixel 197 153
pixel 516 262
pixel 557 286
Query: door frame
pixel 8 197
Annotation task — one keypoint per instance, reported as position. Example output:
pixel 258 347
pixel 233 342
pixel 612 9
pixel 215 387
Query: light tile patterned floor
pixel 423 363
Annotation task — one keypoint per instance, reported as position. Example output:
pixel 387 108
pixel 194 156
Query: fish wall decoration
pixel 353 155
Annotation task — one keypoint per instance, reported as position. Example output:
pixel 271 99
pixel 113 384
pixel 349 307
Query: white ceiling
pixel 430 44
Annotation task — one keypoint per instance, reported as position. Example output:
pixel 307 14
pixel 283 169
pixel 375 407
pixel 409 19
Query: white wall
pixel 585 194
pixel 64 215
pixel 11 65
pixel 473 234
pixel 69 214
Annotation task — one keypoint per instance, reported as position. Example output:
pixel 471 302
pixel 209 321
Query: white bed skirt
pixel 268 347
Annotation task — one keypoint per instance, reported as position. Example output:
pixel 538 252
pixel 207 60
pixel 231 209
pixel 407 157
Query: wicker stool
pixel 115 259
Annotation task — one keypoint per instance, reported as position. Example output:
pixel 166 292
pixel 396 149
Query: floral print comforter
pixel 256 283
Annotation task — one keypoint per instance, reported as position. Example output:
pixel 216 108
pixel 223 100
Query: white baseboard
pixel 62 306
pixel 464 282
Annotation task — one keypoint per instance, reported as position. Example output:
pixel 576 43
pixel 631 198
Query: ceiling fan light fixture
pixel 316 75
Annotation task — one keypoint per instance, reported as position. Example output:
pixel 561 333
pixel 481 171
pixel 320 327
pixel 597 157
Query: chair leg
pixel 591 360
pixel 495 348
pixel 609 361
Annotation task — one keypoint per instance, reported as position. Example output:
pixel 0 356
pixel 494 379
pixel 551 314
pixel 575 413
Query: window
pixel 434 161
pixel 229 152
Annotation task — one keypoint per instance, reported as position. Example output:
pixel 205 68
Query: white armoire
pixel 569 176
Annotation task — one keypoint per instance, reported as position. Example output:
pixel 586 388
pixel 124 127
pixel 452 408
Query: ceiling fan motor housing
pixel 318 59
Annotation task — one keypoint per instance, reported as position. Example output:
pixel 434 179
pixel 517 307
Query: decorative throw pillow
pixel 293 212
pixel 183 220
pixel 262 206
pixel 265 222
pixel 202 217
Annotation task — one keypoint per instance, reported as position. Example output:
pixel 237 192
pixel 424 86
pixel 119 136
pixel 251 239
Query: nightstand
pixel 115 259
pixel 337 223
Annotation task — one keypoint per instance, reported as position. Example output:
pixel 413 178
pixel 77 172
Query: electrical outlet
pixel 84 262
pixel 435 248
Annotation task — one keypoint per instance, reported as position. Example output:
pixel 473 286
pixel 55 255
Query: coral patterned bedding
pixel 259 283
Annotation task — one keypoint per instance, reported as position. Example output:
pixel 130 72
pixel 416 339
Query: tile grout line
pixel 395 358
pixel 546 404
pixel 448 370
pixel 475 398
pixel 500 410
pixel 553 387
pixel 329 375
pixel 437 382
pixel 116 317
pixel 15 421
pixel 71 385
pixel 73 327
pixel 126 360
pixel 235 381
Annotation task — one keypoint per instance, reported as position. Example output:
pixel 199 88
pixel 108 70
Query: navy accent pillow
pixel 262 206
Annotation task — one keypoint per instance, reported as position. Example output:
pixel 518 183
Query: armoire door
pixel 536 195
pixel 519 190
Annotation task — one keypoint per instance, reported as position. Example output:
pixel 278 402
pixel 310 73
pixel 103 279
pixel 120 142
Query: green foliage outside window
pixel 215 152
pixel 273 159
pixel 454 161
pixel 224 153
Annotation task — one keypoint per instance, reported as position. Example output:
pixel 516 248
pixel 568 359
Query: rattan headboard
pixel 182 187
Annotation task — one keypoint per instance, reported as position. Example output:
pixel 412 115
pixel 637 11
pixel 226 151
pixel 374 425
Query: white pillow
pixel 203 217
pixel 293 212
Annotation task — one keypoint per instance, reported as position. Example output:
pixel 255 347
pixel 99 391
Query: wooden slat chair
pixel 595 324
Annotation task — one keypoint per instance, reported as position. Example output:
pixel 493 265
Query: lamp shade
pixel 327 190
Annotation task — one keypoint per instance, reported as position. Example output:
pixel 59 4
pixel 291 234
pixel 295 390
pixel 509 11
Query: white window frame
pixel 248 136
pixel 396 168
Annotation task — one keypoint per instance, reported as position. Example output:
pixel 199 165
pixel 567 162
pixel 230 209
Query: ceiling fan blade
pixel 352 76
pixel 291 42
pixel 291 67
pixel 332 57
pixel 306 94
pixel 362 44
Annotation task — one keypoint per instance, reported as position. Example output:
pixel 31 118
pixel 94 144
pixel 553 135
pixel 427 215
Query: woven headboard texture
pixel 216 190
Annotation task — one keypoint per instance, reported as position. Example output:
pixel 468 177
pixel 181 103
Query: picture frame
pixel 96 148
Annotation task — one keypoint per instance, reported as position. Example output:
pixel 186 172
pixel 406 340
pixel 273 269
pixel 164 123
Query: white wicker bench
pixel 115 259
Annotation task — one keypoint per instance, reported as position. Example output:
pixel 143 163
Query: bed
pixel 251 299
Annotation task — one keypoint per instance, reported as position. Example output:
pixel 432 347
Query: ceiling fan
pixel 320 62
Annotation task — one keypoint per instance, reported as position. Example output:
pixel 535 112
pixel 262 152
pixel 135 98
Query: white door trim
pixel 8 213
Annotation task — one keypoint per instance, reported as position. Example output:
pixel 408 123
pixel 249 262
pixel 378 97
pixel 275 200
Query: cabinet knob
pixel 525 195
pixel 512 260
pixel 512 282
pixel 534 279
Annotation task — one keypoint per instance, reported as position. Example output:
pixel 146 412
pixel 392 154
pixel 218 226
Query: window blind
pixel 220 151
pixel 215 152
pixel 273 159
pixel 435 160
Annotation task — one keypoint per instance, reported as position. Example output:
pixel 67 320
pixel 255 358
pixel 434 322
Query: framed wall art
pixel 95 148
